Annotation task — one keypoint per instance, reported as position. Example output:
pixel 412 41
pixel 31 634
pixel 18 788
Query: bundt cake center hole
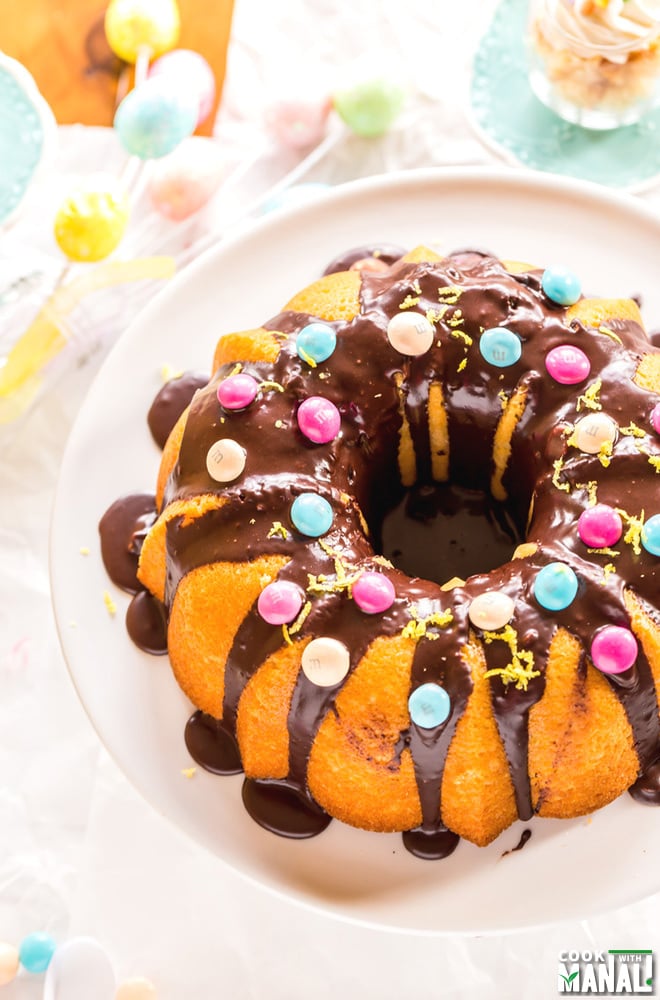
pixel 442 531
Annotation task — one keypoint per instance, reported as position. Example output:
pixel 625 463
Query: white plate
pixel 568 869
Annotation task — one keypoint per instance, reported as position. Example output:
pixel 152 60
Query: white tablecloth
pixel 80 852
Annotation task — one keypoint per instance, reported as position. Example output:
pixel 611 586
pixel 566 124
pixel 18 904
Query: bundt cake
pixel 343 686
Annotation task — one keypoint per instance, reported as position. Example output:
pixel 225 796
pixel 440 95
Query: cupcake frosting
pixel 611 29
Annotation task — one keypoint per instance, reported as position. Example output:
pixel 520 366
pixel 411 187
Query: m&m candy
pixel 500 347
pixel 316 342
pixel 600 526
pixel 410 333
pixel 280 602
pixel 567 365
pixel 237 391
pixel 311 515
pixel 614 649
pixel 225 460
pixel 561 285
pixel 555 586
pixel 429 706
pixel 319 419
pixel 655 418
pixel 651 535
pixel 373 593
pixel 595 431
pixel 325 661
pixel 491 610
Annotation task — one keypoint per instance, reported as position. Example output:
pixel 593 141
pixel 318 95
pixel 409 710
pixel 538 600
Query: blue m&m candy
pixel 555 586
pixel 500 347
pixel 154 118
pixel 36 950
pixel 651 535
pixel 561 285
pixel 316 342
pixel 311 515
pixel 429 706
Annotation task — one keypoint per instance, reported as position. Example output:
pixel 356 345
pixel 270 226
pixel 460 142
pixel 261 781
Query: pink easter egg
pixel 192 73
pixel 280 602
pixel 319 419
pixel 373 593
pixel 567 365
pixel 237 391
pixel 600 526
pixel 614 649
pixel 183 182
pixel 298 124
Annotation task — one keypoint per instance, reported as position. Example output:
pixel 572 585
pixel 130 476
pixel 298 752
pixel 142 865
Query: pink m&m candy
pixel 567 365
pixel 614 649
pixel 237 391
pixel 280 602
pixel 373 593
pixel 319 419
pixel 655 418
pixel 600 526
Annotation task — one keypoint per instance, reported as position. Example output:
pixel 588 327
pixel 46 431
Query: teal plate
pixel 510 118
pixel 26 130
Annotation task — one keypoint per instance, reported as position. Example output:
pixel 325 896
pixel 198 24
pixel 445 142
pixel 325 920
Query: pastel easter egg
pixel 614 649
pixel 561 285
pixel 555 586
pixel 237 391
pixel 410 333
pixel 91 221
pixel 491 610
pixel 567 365
pixel 297 123
pixel 132 26
pixel 319 419
pixel 373 593
pixel 651 535
pixel 500 347
pixel 600 526
pixel 36 951
pixel 9 962
pixel 325 661
pixel 369 106
pixel 183 182
pixel 280 602
pixel 429 706
pixel 192 73
pixel 154 118
pixel 316 342
pixel 311 515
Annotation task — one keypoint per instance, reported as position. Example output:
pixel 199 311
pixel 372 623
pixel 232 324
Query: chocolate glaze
pixel 387 252
pixel 211 745
pixel 146 623
pixel 123 528
pixel 170 403
pixel 357 473
pixel 647 787
pixel 525 837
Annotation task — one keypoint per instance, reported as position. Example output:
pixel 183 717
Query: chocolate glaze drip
pixel 146 623
pixel 387 252
pixel 170 403
pixel 123 528
pixel 548 483
pixel 211 745
pixel 647 788
pixel 525 837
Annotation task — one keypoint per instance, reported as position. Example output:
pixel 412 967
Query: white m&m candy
pixel 491 610
pixel 225 460
pixel 593 432
pixel 326 661
pixel 410 333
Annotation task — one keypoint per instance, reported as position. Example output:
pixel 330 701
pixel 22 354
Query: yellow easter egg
pixel 131 25
pixel 90 224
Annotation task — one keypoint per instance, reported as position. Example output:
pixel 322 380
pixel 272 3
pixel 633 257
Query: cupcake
pixel 596 62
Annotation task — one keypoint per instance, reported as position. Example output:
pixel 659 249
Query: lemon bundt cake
pixel 340 684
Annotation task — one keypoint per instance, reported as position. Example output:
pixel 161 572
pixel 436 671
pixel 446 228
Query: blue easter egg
pixel 651 535
pixel 36 950
pixel 561 285
pixel 500 347
pixel 311 514
pixel 556 586
pixel 316 341
pixel 429 706
pixel 154 118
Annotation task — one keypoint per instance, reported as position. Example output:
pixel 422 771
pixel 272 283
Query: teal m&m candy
pixel 500 347
pixel 555 586
pixel 316 342
pixel 311 514
pixel 36 950
pixel 429 706
pixel 651 535
pixel 561 285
